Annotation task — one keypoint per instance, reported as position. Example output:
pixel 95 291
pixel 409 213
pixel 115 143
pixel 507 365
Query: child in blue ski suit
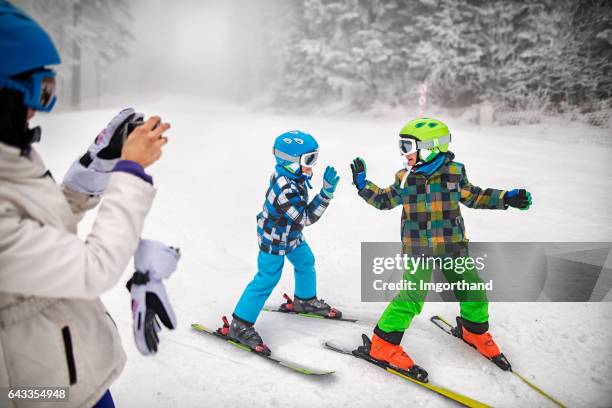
pixel 286 211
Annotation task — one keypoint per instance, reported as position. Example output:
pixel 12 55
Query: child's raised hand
pixel 330 182
pixel 520 199
pixel 358 167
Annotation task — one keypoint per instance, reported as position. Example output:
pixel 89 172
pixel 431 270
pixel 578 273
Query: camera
pixel 133 125
pixel 138 120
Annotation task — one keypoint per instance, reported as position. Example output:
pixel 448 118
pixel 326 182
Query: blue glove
pixel 330 182
pixel 358 167
pixel 518 198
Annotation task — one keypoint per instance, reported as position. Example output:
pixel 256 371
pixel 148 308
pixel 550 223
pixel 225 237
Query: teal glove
pixel 330 182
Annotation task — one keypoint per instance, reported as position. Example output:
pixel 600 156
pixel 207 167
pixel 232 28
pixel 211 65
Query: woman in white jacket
pixel 54 330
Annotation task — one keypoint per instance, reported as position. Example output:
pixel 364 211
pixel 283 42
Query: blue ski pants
pixel 269 271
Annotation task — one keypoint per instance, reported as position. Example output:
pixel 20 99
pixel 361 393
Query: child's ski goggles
pixel 307 159
pixel 408 145
pixel 38 90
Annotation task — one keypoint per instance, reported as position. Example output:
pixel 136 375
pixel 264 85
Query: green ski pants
pixel 408 303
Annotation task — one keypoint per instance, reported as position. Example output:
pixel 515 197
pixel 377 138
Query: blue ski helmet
pixel 295 148
pixel 24 45
pixel 25 49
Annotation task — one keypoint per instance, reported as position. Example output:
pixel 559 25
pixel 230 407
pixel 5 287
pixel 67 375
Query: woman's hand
pixel 144 144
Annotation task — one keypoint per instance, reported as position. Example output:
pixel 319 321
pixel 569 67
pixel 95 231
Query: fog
pixel 195 48
pixel 136 49
pixel 202 49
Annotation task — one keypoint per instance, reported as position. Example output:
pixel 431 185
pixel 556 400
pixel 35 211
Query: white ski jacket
pixel 54 329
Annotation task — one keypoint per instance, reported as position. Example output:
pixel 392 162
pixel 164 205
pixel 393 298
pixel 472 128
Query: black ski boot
pixel 310 306
pixel 245 334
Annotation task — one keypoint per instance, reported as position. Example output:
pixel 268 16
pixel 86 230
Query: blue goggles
pixel 38 90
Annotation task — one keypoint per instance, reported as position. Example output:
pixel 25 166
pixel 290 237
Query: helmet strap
pixel 293 168
pixel 427 155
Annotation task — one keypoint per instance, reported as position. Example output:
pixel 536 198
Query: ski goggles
pixel 307 159
pixel 38 90
pixel 408 145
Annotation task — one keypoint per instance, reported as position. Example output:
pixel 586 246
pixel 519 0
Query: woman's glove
pixel 520 199
pixel 358 167
pixel 90 173
pixel 154 262
pixel 330 182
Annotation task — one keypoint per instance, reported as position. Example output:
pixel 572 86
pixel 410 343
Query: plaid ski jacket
pixel 431 218
pixel 285 213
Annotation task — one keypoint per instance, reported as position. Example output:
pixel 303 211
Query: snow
pixel 211 181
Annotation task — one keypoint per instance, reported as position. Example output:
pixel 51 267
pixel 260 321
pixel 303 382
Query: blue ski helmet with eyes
pixel 295 149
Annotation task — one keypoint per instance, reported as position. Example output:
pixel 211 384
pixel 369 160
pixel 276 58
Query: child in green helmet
pixel 429 188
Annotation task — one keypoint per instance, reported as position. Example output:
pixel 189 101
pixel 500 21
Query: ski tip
pixel 318 373
pixel 198 327
pixel 307 370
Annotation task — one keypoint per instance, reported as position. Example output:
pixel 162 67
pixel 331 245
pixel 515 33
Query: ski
pixel 299 368
pixel 280 309
pixel 448 328
pixel 443 391
pixel 312 315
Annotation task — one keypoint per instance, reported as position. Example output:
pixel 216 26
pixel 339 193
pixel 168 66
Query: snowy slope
pixel 211 182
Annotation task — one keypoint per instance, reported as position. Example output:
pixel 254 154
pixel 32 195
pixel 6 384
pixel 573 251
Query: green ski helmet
pixel 425 135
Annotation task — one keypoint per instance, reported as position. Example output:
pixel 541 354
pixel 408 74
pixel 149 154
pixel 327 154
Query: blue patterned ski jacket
pixel 285 213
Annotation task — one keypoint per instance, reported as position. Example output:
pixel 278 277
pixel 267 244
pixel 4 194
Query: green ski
pixel 280 361
pixel 443 391
pixel 448 329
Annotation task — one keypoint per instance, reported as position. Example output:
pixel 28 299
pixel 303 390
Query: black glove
pixel 520 199
pixel 358 167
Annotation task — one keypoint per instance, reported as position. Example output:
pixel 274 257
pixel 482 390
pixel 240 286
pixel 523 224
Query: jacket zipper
pixel 72 375
pixel 111 319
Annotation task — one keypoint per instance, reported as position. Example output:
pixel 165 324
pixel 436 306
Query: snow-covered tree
pixel 467 51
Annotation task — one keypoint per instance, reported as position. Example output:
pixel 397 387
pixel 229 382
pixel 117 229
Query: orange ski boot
pixel 393 356
pixel 479 338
